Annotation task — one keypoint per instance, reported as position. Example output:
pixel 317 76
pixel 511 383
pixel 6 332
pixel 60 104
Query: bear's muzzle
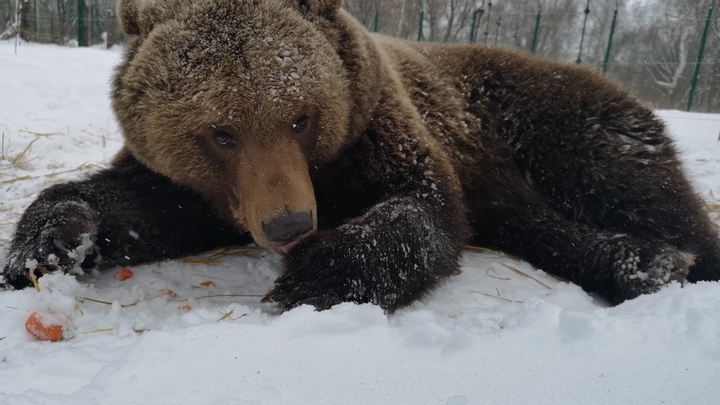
pixel 288 228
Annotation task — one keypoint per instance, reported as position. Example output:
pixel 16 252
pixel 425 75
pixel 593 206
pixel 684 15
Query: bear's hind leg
pixel 657 203
pixel 669 212
pixel 623 175
pixel 616 266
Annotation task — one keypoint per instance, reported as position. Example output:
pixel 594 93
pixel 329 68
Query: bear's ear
pixel 129 16
pixel 140 16
pixel 322 8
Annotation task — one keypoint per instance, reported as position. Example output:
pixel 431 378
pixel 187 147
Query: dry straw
pixel 714 206
pixel 215 256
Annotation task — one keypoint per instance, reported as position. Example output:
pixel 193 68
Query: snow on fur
pixel 501 332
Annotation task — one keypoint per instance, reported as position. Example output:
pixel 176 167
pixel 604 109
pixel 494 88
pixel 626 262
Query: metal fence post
pixel 700 55
pixel 582 36
pixel 420 29
pixel 377 16
pixel 612 32
pixel 537 27
pixel 474 24
pixel 487 24
pixel 81 23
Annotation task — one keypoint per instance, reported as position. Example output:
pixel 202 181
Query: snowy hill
pixel 499 333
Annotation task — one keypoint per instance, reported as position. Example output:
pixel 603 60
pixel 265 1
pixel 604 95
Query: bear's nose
pixel 287 228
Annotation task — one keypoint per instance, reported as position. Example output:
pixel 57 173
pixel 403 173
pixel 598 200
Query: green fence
pixel 666 53
pixel 62 22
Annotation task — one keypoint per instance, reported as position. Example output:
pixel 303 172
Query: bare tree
pixel 10 14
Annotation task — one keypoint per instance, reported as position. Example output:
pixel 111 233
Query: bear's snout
pixel 288 228
pixel 277 196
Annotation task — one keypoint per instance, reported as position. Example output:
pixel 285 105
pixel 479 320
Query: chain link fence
pixel 665 53
pixel 61 22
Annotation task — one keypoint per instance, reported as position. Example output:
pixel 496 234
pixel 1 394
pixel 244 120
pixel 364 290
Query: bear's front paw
pixel 48 239
pixel 318 274
pixel 289 292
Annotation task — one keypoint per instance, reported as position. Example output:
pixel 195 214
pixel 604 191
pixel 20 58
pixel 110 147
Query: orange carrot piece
pixel 123 274
pixel 167 294
pixel 44 327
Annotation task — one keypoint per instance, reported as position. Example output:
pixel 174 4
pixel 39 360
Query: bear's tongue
pixel 287 248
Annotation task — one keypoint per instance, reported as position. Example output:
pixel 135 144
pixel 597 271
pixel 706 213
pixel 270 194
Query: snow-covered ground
pixel 499 333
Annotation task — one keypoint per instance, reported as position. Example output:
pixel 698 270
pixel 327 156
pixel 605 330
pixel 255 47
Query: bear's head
pixel 241 100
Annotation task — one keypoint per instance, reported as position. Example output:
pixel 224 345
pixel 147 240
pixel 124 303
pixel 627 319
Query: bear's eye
pixel 224 139
pixel 301 124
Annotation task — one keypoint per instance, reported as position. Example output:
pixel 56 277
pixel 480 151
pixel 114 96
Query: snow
pixel 501 332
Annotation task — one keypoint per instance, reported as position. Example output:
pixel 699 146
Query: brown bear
pixel 368 162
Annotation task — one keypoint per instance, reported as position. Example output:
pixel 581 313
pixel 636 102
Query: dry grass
pixel 205 276
pixel 480 249
pixel 226 316
pixel 502 255
pixel 83 167
pixel 520 273
pixel 713 206
pixel 230 296
pixel 492 273
pixel 20 161
pixel 83 299
pixel 215 256
pixel 496 276
pixel 500 298
pixel 98 331
pixel 34 279
pixel 41 134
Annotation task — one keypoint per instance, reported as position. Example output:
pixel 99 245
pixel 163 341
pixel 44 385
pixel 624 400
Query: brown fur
pixel 265 176
pixel 464 116
pixel 400 152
